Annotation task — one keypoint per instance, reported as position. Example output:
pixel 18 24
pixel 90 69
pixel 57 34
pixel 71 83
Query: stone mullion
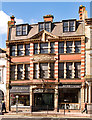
pixel 73 70
pixel 23 71
pixel 16 72
pixel 64 46
pixel 48 70
pixel 73 50
pixel 49 47
pixel 38 48
pixel 16 50
pixel 38 75
pixel 64 69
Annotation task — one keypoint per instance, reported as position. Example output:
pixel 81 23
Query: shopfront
pixel 22 93
pixel 69 96
pixel 43 99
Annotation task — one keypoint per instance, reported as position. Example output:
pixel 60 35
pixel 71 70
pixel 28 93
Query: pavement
pixel 49 114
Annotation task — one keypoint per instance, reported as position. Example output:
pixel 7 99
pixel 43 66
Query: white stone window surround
pixel 1 74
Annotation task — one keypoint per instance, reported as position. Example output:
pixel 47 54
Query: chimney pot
pixel 48 18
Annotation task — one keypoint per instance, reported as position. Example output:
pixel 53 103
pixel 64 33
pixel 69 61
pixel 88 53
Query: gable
pixel 43 36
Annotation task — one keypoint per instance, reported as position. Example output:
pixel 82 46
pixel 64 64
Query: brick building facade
pixel 48 63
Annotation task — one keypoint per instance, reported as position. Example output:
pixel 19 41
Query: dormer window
pixel 21 30
pixel 45 26
pixel 69 26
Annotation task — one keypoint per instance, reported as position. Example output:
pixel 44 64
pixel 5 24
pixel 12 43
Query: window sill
pixel 46 54
pixel 70 78
pixel 44 79
pixel 19 80
pixel 68 53
pixel 20 56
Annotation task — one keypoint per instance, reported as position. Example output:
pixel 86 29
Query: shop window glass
pixel 23 100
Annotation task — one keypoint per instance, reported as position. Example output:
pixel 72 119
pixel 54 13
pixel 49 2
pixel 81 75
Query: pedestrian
pixel 85 109
pixel 3 106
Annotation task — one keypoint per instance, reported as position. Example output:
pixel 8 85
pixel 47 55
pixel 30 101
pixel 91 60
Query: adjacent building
pixel 3 65
pixel 49 64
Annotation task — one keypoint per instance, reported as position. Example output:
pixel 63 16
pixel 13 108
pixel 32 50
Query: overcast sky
pixel 33 12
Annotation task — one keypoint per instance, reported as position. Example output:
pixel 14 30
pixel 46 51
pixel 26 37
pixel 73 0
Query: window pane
pixel 19 30
pixel 72 26
pixel 47 27
pixel 61 70
pixel 77 70
pixel 27 71
pixel 69 46
pixel 35 70
pixel 12 72
pixel 44 70
pixel 61 47
pixel 24 29
pixel 20 72
pixel 44 48
pixel 77 46
pixel 27 49
pixel 35 48
pixel 20 50
pixel 51 70
pixel 12 50
pixel 41 27
pixel 65 24
pixel 52 45
pixel 68 70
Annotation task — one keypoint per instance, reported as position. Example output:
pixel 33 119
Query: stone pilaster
pixel 56 99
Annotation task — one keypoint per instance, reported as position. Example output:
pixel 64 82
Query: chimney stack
pixel 82 13
pixel 48 18
pixel 12 22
